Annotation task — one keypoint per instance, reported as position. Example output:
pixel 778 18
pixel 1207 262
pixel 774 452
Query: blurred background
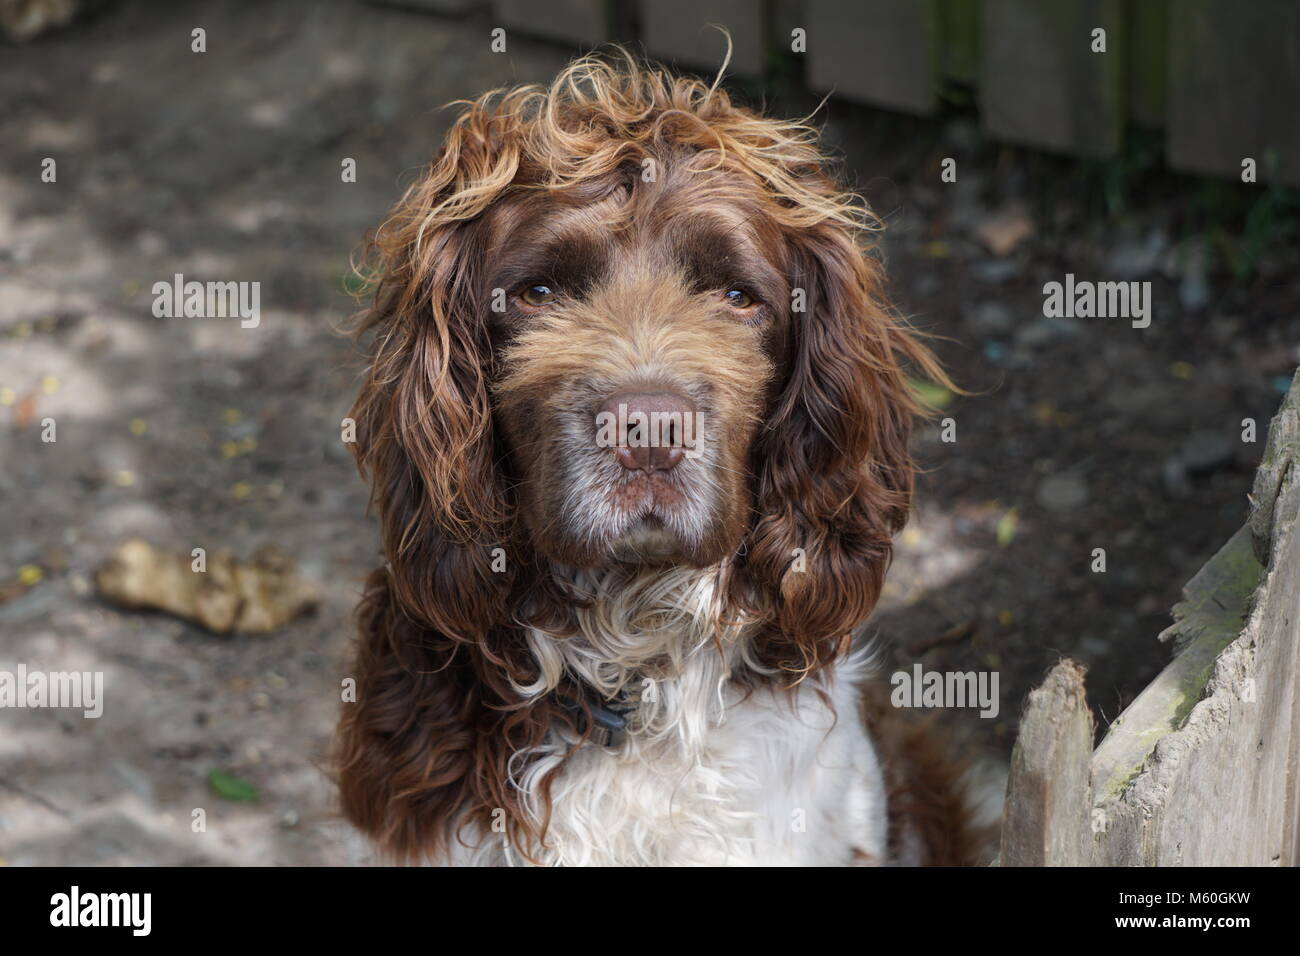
pixel 1119 165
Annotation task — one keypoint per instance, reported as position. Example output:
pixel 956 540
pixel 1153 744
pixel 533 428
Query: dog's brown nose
pixel 649 431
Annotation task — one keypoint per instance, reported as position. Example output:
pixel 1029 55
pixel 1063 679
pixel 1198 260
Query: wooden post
pixel 1203 768
pixel 1049 791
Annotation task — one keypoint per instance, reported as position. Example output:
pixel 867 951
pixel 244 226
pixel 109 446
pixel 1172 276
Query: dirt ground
pixel 1079 434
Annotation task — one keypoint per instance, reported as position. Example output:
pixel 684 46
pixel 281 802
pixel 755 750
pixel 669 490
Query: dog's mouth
pixel 652 515
pixel 638 516
pixel 657 494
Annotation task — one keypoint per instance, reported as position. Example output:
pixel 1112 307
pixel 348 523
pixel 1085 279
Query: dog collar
pixel 608 724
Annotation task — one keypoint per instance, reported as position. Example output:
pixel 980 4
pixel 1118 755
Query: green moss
pixel 1208 620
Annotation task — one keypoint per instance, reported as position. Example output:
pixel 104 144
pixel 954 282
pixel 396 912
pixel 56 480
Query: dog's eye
pixel 537 295
pixel 738 299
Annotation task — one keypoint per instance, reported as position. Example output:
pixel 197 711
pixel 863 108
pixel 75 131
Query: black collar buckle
pixel 608 725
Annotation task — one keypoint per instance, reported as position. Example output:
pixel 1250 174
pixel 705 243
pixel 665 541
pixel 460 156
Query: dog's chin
pixel 647 541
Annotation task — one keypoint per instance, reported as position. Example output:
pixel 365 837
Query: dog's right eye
pixel 536 296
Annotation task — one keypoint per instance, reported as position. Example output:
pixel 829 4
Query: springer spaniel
pixel 636 420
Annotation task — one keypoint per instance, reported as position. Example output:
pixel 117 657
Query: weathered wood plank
pixel 1220 788
pixel 1040 82
pixel 680 31
pixel 1208 619
pixel 453 8
pixel 1049 795
pixel 582 23
pixel 1281 452
pixel 882 52
pixel 1234 81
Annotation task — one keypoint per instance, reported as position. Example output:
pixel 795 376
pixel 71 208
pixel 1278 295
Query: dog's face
pixel 619 320
pixel 639 330
pixel 622 320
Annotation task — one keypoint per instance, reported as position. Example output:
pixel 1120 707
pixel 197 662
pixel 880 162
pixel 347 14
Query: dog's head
pixel 624 321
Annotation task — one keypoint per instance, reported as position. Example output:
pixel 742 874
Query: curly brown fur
pixel 458 417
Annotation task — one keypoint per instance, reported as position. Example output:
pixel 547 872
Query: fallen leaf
pixel 25 410
pixel 232 788
pixel 1005 229
pixel 930 393
pixel 1007 524
pixel 255 596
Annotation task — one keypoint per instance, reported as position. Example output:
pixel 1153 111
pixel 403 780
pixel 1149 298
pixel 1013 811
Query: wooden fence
pixel 1218 78
pixel 1203 768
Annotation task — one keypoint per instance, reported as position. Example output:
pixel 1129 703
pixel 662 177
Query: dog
pixel 636 422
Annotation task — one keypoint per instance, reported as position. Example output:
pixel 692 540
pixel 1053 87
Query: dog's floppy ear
pixel 424 433
pixel 405 745
pixel 425 743
pixel 834 475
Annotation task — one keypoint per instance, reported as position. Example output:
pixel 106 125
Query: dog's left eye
pixel 738 299
pixel 537 295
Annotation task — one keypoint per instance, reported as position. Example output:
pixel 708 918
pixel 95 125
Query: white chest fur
pixel 774 779
pixel 706 774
